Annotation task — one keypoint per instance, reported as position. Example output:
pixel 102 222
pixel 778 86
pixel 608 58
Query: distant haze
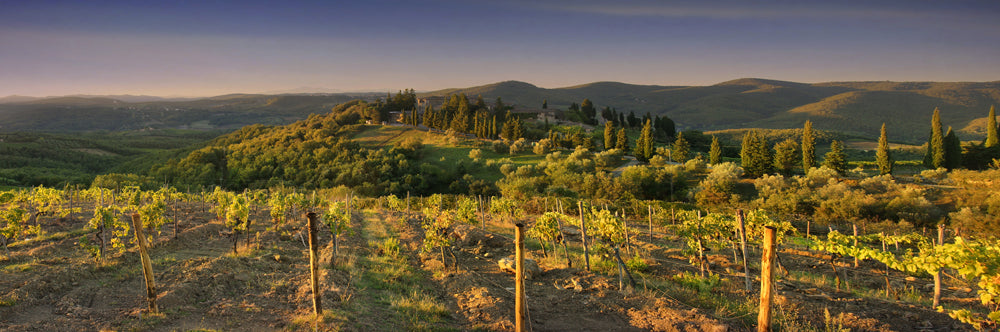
pixel 209 48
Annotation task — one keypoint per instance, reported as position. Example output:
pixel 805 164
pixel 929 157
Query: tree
pixel 609 135
pixel 952 150
pixel 681 148
pixel 622 140
pixel 545 104
pixel 935 158
pixel 883 157
pixel 463 117
pixel 513 128
pixel 755 155
pixel 632 120
pixel 835 159
pixel 808 147
pixel 588 111
pixel 499 106
pixel 991 129
pixel 428 120
pixel 667 126
pixel 715 152
pixel 786 156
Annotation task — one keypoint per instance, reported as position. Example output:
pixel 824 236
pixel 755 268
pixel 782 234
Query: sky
pixel 204 48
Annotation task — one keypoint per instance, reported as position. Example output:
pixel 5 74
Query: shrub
pixel 500 147
pixel 695 165
pixel 820 176
pixel 543 146
pixel 658 161
pixel 475 154
pixel 518 146
pixel 608 158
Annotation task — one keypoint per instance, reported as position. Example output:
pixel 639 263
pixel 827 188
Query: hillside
pixel 228 112
pixel 854 108
pixel 857 108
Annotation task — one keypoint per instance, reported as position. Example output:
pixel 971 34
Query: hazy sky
pixel 199 48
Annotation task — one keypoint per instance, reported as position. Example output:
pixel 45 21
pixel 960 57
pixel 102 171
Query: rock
pixel 530 267
pixel 719 328
pixel 571 230
pixel 469 235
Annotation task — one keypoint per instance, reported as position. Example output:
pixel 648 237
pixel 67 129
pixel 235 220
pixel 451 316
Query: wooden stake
pixel 147 266
pixel 743 247
pixel 314 264
pixel 650 207
pixel 937 276
pixel 628 241
pixel 519 279
pixel 766 283
pixel 583 231
pixel 623 268
pixel 855 242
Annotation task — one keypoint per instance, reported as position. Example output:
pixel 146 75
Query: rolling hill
pixel 227 112
pixel 853 108
pixel 856 108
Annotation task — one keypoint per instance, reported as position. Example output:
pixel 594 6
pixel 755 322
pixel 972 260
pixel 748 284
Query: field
pixel 382 280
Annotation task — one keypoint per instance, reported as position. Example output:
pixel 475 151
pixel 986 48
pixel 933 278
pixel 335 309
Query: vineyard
pixel 78 260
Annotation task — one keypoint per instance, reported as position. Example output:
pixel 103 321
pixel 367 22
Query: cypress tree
pixel 460 122
pixel 493 127
pixel 935 156
pixel 754 154
pixel 883 157
pixel 808 147
pixel 991 129
pixel 545 104
pixel 429 116
pixel 588 111
pixel 681 148
pixel 622 140
pixel 715 152
pixel 835 159
pixel 952 150
pixel 647 141
pixel 785 156
pixel 609 135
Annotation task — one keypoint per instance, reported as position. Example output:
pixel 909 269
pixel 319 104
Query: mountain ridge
pixel 852 107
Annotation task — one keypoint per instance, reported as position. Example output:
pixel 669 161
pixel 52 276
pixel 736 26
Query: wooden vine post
pixel 766 283
pixel 855 225
pixel 519 279
pixel 650 208
pixel 314 265
pixel 583 231
pixel 937 276
pixel 147 266
pixel 628 241
pixel 740 218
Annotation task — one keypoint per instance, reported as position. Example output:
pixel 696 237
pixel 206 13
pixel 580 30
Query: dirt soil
pixel 52 284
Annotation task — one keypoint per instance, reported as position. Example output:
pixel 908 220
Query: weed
pixel 694 281
pixel 420 310
pixel 833 324
pixel 8 301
